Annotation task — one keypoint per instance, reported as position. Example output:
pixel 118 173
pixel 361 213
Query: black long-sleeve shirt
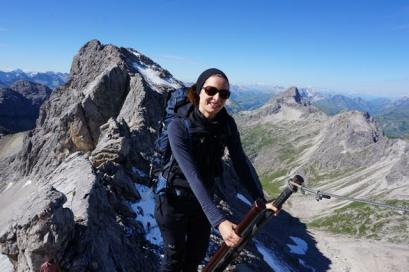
pixel 182 151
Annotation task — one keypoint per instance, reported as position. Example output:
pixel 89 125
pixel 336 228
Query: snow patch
pixel 145 209
pixel 5 264
pixel 153 77
pixel 270 258
pixel 8 186
pixel 135 53
pixel 300 247
pixel 28 182
pixel 243 198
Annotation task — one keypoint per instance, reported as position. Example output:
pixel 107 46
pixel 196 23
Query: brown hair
pixel 192 96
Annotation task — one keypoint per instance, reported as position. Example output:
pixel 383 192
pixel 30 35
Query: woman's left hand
pixel 270 206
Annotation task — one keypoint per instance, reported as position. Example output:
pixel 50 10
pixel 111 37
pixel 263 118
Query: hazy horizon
pixel 260 86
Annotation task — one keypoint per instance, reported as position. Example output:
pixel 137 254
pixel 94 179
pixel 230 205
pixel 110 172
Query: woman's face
pixel 209 106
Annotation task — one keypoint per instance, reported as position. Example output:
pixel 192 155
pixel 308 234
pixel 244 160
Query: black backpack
pixel 162 151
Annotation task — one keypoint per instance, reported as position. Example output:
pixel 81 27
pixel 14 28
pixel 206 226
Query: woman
pixel 198 137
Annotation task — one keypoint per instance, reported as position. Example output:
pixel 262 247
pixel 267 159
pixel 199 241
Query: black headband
pixel 205 75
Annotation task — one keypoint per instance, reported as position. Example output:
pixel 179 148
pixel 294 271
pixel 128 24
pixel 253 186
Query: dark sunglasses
pixel 223 93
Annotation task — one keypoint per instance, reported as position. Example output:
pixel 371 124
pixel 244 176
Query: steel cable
pixel 319 195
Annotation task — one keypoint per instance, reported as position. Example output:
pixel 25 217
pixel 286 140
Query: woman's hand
pixel 229 236
pixel 270 206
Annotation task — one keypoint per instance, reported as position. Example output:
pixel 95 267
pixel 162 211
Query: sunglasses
pixel 223 93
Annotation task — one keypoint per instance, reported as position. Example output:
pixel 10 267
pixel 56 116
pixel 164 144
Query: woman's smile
pixel 214 104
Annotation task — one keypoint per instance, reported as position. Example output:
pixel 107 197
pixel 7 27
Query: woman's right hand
pixel 227 230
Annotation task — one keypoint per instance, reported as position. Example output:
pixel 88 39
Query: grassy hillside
pixel 365 221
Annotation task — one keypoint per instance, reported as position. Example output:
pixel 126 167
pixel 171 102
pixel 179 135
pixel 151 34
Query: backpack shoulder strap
pixel 172 160
pixel 186 124
pixel 229 129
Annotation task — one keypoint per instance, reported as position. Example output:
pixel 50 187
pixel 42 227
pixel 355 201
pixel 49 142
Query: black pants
pixel 185 231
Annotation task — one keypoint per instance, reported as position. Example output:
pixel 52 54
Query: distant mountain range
pixel 20 104
pixel 50 79
pixel 392 115
pixel 333 104
pixel 21 95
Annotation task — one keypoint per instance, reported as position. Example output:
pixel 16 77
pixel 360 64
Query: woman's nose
pixel 217 96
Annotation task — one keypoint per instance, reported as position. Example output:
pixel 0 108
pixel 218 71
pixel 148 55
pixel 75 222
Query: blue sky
pixel 345 46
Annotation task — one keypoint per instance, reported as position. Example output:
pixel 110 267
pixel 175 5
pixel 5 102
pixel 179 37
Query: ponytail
pixel 192 96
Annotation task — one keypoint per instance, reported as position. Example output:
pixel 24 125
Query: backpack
pixel 162 151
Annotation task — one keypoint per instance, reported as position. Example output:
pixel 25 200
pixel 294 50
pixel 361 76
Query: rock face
pixel 45 230
pixel 95 94
pixel 91 143
pixel 20 104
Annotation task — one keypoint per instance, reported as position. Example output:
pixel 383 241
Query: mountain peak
pixel 291 95
pixel 107 56
pixel 286 106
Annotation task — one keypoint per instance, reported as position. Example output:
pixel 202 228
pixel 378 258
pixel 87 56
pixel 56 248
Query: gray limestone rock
pixel 113 144
pixel 90 136
pixel 44 229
